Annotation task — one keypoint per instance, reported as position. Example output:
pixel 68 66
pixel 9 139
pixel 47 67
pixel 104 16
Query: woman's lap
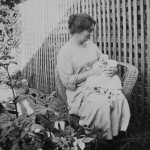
pixel 98 111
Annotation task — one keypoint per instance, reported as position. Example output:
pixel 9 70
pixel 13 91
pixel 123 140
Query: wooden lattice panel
pixel 122 31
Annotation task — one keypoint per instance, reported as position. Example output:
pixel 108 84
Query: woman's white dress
pixel 95 110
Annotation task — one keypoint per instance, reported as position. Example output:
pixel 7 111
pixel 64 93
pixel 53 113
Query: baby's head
pixel 102 63
pixel 103 58
pixel 106 62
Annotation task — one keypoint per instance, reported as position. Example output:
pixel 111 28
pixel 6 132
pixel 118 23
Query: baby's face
pixel 102 63
pixel 104 58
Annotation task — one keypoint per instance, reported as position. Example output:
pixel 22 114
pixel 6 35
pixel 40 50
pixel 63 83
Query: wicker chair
pixel 128 81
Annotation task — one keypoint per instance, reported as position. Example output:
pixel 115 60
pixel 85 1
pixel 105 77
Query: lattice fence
pixel 122 31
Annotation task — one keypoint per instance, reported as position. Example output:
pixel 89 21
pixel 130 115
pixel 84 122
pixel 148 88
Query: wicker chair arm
pixel 60 87
pixel 129 78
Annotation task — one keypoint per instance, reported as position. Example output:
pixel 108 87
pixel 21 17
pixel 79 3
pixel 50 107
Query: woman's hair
pixel 80 22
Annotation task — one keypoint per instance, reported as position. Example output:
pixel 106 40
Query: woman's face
pixel 86 34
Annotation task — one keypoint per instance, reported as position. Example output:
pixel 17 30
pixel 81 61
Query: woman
pixel 74 62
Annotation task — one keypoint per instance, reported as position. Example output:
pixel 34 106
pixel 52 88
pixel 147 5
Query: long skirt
pixel 112 114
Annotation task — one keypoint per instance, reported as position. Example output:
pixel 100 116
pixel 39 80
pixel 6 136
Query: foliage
pixel 11 3
pixel 10 30
pixel 71 139
pixel 36 130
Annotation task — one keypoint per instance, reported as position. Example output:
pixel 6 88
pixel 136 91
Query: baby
pixel 103 83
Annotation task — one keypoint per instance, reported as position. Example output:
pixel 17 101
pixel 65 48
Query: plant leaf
pixel 81 145
pixel 6 125
pixel 42 119
pixel 56 139
pixel 88 139
pixel 23 133
pixel 36 126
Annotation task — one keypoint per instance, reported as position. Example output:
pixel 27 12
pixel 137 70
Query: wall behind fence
pixel 122 31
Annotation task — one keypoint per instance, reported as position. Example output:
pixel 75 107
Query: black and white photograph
pixel 74 74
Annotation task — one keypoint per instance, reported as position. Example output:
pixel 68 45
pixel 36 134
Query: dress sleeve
pixel 65 69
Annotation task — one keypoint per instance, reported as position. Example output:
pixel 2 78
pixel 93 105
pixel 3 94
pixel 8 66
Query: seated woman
pixel 74 62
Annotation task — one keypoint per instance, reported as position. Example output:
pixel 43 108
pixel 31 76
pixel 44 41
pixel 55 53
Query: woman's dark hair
pixel 80 22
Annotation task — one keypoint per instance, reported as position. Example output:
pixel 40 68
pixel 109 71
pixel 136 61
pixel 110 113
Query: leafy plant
pixel 27 131
pixel 79 138
pixel 11 3
pixel 10 30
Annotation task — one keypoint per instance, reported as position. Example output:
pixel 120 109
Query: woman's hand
pixel 111 71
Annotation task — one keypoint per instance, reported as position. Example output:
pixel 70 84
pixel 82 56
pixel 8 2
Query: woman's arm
pixel 67 76
pixel 65 70
pixel 82 76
